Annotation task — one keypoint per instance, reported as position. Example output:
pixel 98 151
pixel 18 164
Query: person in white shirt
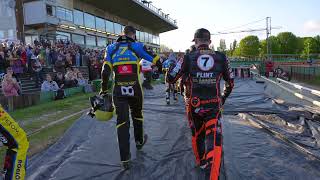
pixel 146 69
pixel 49 84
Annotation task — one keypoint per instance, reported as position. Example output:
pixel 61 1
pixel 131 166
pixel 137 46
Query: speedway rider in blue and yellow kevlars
pixel 12 136
pixel 122 58
pixel 203 69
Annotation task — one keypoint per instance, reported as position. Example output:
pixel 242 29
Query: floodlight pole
pixel 268 31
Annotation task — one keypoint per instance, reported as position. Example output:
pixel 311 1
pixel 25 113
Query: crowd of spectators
pixel 59 55
pixel 63 57
pixel 60 81
pixel 72 78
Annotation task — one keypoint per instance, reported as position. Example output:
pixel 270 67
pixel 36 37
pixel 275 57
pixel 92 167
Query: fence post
pixel 309 73
pixel 10 103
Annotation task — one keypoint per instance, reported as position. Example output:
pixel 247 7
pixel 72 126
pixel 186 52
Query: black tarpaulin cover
pixel 89 149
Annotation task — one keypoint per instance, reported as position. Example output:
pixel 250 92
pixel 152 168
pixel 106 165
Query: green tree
pixel 249 46
pixel 317 38
pixel 310 46
pixel 263 47
pixel 274 45
pixel 229 53
pixel 288 42
pixel 236 52
pixel 300 45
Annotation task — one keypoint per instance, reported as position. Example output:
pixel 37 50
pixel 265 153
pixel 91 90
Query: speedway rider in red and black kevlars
pixel 203 69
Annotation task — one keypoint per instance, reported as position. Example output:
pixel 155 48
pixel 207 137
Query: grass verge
pixel 45 138
pixel 35 117
pixel 77 103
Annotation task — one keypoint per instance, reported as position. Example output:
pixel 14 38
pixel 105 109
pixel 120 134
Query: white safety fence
pixel 296 86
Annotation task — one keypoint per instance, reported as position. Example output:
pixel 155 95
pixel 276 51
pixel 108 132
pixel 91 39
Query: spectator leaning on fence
pixel 11 72
pixel 10 86
pixel 15 77
pixel 49 84
pixel 84 83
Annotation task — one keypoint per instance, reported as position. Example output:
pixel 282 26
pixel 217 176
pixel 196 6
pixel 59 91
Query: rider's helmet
pixel 102 107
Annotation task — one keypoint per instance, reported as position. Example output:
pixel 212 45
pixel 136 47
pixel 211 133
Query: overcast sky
pixel 302 17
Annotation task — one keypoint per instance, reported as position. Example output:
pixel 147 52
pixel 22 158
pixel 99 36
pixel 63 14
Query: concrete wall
pixel 275 91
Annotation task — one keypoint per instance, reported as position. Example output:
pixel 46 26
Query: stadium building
pixel 90 23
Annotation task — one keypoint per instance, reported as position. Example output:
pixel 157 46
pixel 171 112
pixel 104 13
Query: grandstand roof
pixel 138 11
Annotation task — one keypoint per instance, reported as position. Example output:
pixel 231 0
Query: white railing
pixel 298 95
pixel 158 11
pixel 297 86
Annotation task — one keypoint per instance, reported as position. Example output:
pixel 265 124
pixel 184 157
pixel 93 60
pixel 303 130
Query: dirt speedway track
pixel 89 149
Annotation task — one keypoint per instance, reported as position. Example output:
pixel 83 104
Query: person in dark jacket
pixel 59 79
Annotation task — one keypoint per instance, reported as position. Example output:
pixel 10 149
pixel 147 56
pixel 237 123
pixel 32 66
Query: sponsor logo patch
pixel 204 75
pixel 195 102
pixel 125 69
pixel 127 90
pixel 18 171
pixel 131 83
pixel 10 123
pixel 204 80
pixel 208 101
